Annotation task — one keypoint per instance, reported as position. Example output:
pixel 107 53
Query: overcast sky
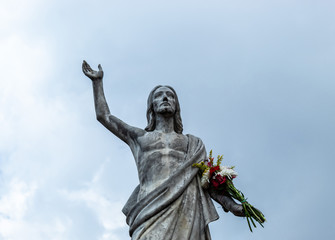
pixel 255 79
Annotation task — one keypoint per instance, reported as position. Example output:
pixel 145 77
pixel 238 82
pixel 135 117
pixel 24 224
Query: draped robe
pixel 177 209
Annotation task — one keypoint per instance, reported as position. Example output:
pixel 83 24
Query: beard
pixel 166 110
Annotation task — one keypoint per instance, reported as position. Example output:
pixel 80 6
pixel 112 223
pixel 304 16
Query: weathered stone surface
pixel 169 202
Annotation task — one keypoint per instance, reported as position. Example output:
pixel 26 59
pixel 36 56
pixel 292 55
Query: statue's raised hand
pixel 92 74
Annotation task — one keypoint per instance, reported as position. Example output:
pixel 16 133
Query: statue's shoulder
pixel 194 139
pixel 137 132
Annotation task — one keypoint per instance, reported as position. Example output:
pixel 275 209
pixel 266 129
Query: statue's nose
pixel 165 99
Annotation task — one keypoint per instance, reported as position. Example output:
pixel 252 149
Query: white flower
pixel 227 171
pixel 205 178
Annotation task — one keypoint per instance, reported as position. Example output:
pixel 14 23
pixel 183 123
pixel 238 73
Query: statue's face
pixel 164 101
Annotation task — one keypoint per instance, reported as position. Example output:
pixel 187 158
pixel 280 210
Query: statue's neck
pixel 164 124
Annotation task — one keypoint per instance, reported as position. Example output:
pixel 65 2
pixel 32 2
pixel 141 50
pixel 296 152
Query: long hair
pixel 151 116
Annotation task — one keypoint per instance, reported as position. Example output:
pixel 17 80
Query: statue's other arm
pixel 122 130
pixel 228 204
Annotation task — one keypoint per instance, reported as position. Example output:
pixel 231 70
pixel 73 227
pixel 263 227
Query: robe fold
pixel 178 209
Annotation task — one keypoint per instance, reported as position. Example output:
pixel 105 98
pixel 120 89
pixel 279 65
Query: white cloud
pixel 25 67
pixel 228 60
pixel 106 211
pixel 15 206
pixel 41 147
pixel 13 13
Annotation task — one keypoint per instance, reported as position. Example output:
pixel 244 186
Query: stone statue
pixel 169 202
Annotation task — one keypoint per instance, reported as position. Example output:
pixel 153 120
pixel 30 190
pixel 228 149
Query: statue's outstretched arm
pixel 122 130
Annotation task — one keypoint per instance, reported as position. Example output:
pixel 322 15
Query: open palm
pixel 92 74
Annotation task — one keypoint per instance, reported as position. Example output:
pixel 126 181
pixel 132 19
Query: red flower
pixel 208 163
pixel 220 179
pixel 214 183
pixel 213 169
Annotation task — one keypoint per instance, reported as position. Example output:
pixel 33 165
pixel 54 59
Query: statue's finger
pixel 87 71
pixel 83 67
pixel 88 67
pixel 100 68
pixel 85 63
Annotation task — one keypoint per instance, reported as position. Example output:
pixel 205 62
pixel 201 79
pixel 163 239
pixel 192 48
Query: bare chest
pixel 159 156
pixel 154 141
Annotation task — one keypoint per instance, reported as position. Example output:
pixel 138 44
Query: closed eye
pixel 158 94
pixel 171 95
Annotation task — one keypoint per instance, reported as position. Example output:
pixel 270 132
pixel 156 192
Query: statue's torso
pixel 157 156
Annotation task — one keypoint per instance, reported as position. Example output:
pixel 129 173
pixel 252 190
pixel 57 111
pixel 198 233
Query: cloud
pixel 13 13
pixel 254 85
pixel 15 205
pixel 107 212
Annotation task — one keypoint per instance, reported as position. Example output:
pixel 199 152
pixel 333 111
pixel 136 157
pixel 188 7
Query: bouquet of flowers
pixel 220 178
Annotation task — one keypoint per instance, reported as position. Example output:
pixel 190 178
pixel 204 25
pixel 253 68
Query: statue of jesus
pixel 169 202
